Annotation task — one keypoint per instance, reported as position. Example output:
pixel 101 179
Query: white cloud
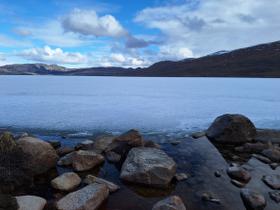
pixel 87 22
pixel 49 55
pixel 207 26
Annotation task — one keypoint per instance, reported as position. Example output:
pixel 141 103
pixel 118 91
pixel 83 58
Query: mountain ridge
pixel 256 61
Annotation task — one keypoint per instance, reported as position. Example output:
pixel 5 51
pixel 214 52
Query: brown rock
pixel 86 160
pixel 64 151
pixel 170 203
pixel 66 182
pixel 90 179
pixel 239 173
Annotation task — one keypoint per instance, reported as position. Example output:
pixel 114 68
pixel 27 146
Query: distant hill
pixel 257 61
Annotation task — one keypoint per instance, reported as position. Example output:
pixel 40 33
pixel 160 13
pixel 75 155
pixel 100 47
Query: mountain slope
pixel 257 61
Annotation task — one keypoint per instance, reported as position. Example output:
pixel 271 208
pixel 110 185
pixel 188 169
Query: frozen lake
pixel 115 104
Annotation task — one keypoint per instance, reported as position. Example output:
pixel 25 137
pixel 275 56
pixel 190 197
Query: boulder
pixel 87 198
pixel 148 166
pixel 66 182
pixel 252 199
pixel 29 202
pixel 14 165
pixel 64 151
pixel 101 143
pixel 90 179
pixel 8 202
pixel 231 129
pixel 239 173
pixel 273 181
pixel 86 160
pixel 66 160
pixel 170 203
pixel 42 155
pixel 125 142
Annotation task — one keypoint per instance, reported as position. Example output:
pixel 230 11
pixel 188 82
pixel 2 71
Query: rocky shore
pixel 232 165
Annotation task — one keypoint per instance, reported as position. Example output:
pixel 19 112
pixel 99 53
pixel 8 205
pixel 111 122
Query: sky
pixel 127 33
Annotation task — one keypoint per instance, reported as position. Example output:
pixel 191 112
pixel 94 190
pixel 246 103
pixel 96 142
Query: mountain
pixel 257 61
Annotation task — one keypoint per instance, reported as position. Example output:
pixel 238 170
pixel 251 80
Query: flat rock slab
pixel 28 202
pixel 87 198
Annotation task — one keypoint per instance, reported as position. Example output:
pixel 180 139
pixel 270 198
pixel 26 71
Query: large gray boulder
pixel 86 160
pixel 170 203
pixel 231 129
pixel 42 155
pixel 87 198
pixel 29 202
pixel 148 166
pixel 66 182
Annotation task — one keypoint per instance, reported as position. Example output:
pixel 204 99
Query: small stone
pixel 66 181
pixel 170 203
pixel 28 202
pixel 113 157
pixel 239 173
pixel 237 183
pixel 274 165
pixel 262 158
pixel 206 196
pixel 275 195
pixel 175 142
pixel 181 176
pixel 252 199
pixel 85 145
pixel 218 174
pixel 90 179
pixel 273 181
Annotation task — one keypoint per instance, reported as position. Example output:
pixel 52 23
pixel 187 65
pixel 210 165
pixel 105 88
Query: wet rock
pixel 198 135
pixel 87 198
pixel 206 196
pixel 148 166
pixel 101 143
pixel 86 160
pixel 66 181
pixel 113 157
pixel 275 195
pixel 239 173
pixel 181 176
pixel 231 129
pixel 272 153
pixel 55 144
pixel 90 179
pixel 66 160
pixel 262 158
pixel 273 181
pixel 29 202
pixel 237 183
pixel 42 155
pixel 125 142
pixel 8 202
pixel 252 199
pixel 170 203
pixel 64 151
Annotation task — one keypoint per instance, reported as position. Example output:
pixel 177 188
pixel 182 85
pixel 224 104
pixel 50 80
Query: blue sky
pixel 130 33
